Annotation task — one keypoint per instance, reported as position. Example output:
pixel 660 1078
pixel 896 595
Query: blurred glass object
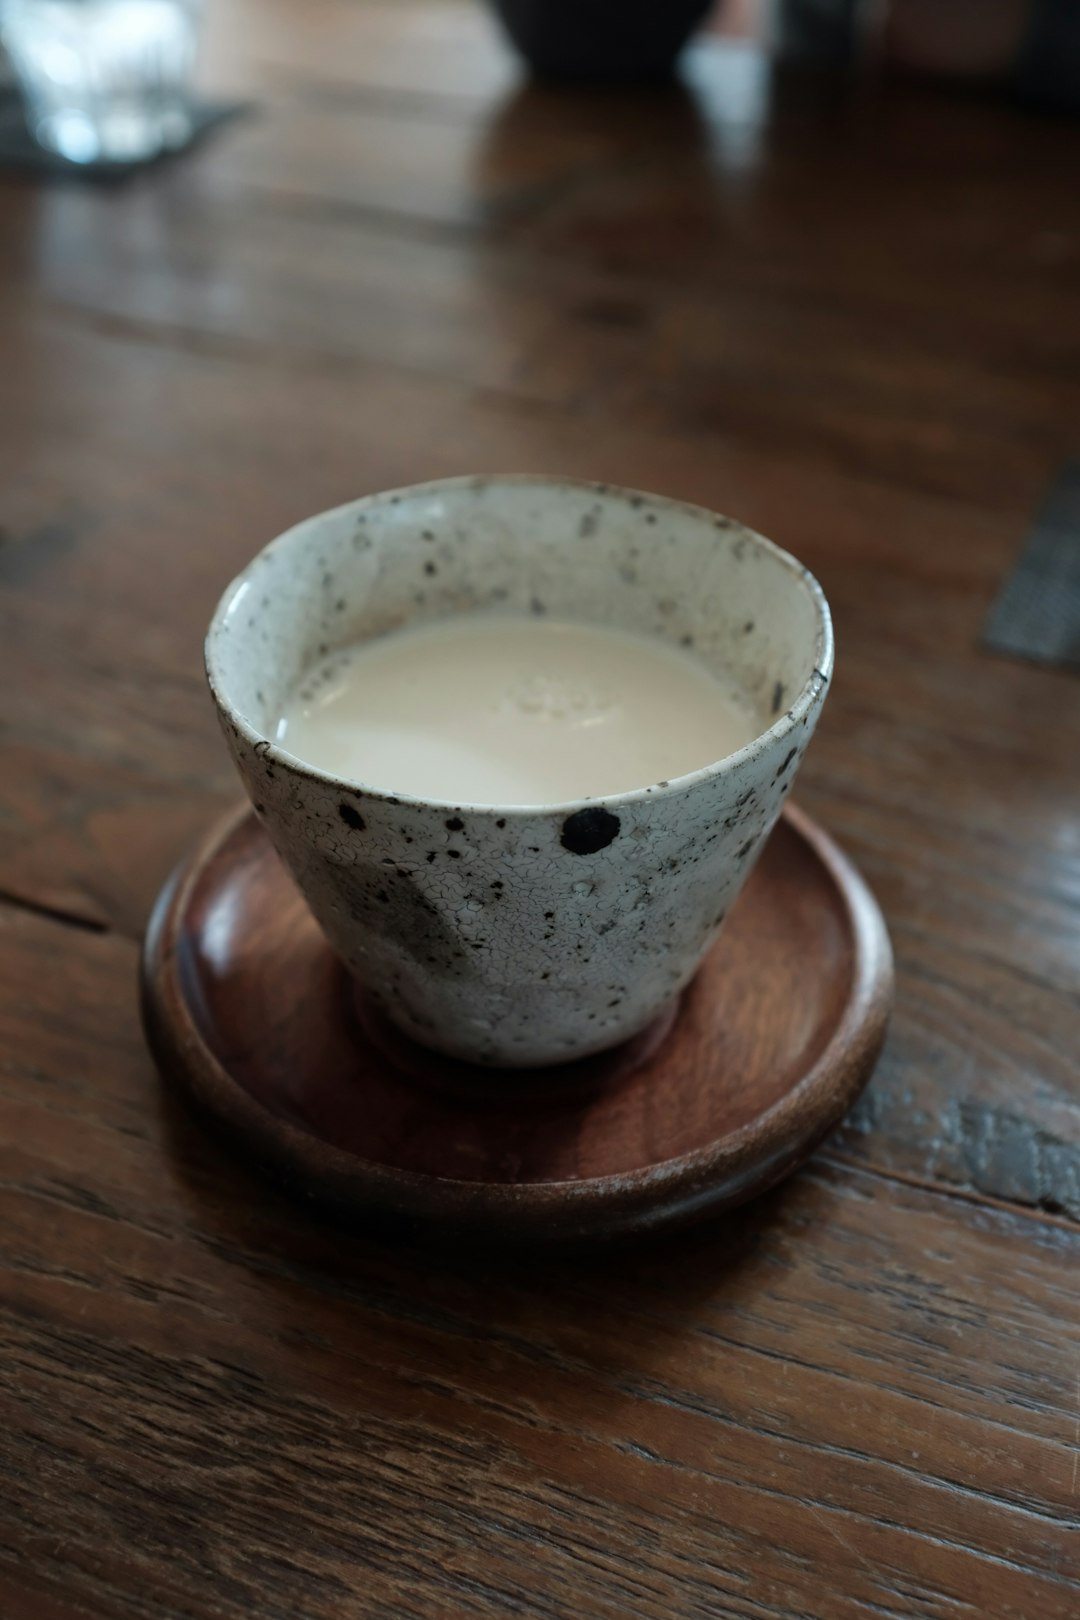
pixel 104 81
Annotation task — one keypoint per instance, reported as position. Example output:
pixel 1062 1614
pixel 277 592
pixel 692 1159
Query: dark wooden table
pixel 853 322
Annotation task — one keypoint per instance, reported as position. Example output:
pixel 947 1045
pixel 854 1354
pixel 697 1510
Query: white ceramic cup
pixel 522 935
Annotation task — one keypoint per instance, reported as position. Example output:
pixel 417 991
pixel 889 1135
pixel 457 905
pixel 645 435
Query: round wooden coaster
pixel 247 1007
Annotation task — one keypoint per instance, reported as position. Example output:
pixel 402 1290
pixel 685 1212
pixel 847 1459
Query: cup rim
pixel 781 727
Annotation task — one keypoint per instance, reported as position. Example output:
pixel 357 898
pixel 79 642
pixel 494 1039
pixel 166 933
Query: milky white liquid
pixel 502 711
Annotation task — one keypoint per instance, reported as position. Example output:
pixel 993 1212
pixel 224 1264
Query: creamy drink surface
pixel 512 711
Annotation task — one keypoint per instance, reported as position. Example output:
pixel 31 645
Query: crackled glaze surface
pixel 522 936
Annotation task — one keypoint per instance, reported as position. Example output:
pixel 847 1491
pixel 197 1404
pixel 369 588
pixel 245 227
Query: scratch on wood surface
pixel 824 1519
pixel 1076 1437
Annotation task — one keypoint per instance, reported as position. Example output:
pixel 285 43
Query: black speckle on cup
pixel 785 763
pixel 587 831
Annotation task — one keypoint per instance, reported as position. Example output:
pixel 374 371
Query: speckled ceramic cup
pixel 522 935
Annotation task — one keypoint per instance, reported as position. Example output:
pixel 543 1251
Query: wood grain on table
pixel 851 320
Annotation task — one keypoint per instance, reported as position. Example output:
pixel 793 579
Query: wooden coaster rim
pixel 718 1174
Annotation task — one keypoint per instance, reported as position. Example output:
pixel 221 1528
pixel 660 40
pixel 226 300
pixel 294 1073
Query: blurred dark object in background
pixel 1048 70
pixel 612 41
pixel 819 32
pixel 974 40
pixel 1030 48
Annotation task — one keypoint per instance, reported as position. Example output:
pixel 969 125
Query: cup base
pixel 247 1008
pixel 499 1087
